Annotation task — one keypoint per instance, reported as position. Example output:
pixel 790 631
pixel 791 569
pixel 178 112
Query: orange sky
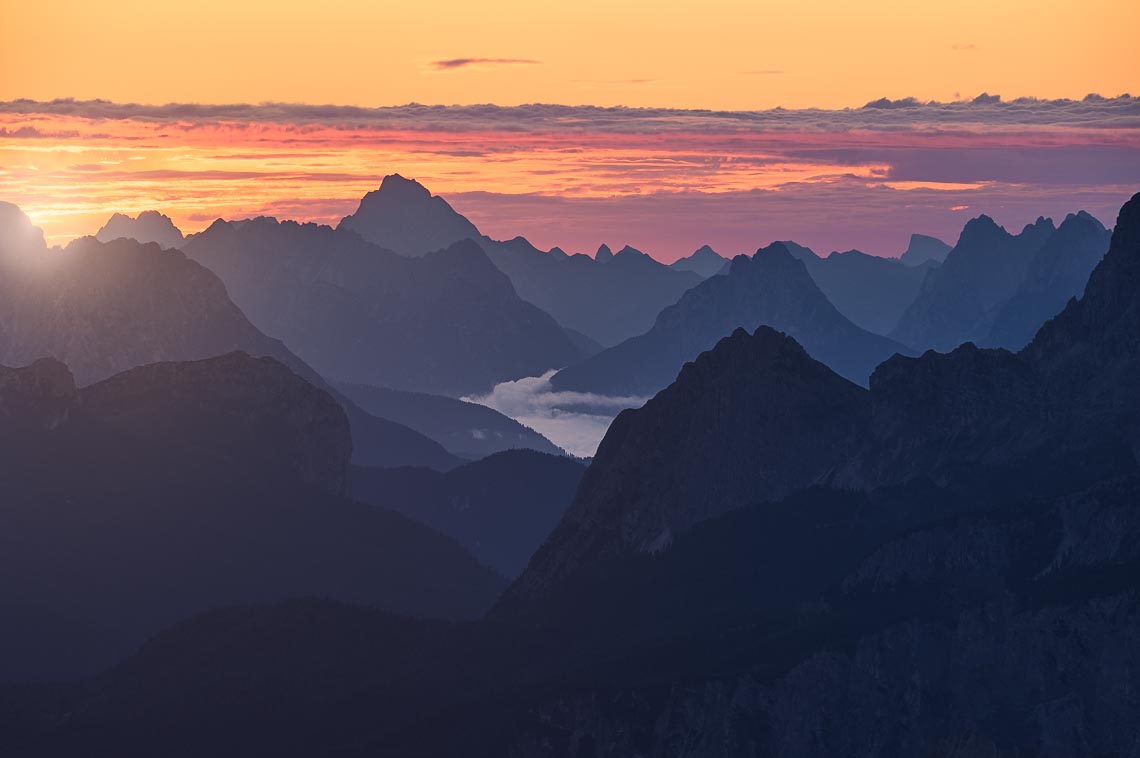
pixel 575 177
pixel 723 54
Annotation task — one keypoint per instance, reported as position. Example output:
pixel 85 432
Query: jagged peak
pixel 1081 219
pixel 1042 224
pixel 395 184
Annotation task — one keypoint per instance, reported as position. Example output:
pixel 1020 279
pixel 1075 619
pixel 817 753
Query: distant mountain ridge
pixel 772 288
pixel 997 288
pixel 924 249
pixel 104 308
pixel 148 226
pixel 704 261
pixel 608 297
pixel 448 322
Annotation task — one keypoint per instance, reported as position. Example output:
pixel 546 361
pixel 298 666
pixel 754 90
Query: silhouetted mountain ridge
pixel 604 301
pixel 772 288
pixel 448 322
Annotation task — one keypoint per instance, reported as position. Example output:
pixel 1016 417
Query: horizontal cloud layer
pixel 663 180
pixel 1093 112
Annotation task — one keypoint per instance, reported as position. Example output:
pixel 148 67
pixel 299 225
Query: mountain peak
pixel 604 254
pixel 148 226
pixel 704 261
pixel 1080 219
pixel 979 227
pixel 403 216
pixel 395 185
pixel 758 400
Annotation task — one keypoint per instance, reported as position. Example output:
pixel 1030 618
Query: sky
pixel 665 126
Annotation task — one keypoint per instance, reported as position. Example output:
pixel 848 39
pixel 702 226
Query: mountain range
pixel 148 226
pixel 704 261
pixel 872 292
pixel 605 298
pixel 963 299
pixel 771 288
pixel 103 308
pixel 448 322
pixel 944 563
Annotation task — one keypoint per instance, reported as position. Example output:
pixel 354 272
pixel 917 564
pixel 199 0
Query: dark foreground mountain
pixel 996 288
pixel 148 226
pixel 468 430
pixel 501 508
pixel 771 288
pixel 607 299
pixel 178 487
pixel 448 322
pixel 952 599
pixel 103 308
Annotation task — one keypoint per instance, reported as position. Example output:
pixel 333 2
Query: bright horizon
pixel 730 124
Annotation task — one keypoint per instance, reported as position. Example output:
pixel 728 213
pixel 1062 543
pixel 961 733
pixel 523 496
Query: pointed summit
pixel 403 216
pixel 770 289
pixel 604 254
pixel 704 261
pixel 981 228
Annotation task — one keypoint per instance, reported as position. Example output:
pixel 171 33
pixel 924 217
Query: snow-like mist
pixel 575 421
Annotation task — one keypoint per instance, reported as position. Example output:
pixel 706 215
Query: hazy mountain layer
pixel 771 289
pixel 448 322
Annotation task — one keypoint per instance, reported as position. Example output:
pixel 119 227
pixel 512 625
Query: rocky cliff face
pixel 1001 634
pixel 707 444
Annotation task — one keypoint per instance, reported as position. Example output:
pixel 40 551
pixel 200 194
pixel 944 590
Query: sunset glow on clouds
pixel 663 180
